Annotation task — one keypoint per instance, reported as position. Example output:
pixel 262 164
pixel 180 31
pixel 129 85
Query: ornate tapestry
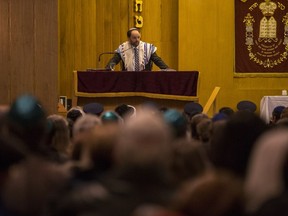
pixel 261 36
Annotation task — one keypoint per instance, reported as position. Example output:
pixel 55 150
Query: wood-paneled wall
pixel 206 39
pixel 29 51
pixel 90 27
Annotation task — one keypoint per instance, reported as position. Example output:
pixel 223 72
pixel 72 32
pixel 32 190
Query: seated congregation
pixel 144 160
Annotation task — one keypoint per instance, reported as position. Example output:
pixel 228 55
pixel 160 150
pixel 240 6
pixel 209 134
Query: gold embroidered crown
pixel 268 8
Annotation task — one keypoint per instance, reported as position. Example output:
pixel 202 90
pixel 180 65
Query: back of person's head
pixel 196 119
pixel 93 108
pixel 222 192
pixel 82 128
pixel 230 147
pixel 189 160
pixel 111 117
pixel 267 177
pixel 246 105
pixel 98 147
pixel 284 113
pixel 191 109
pixel 125 111
pixel 150 104
pixel 276 113
pixel 26 120
pixel 144 142
pixel 177 122
pixel 204 130
pixel 59 137
pixel 74 113
pixel 219 117
pixel 282 122
pixel 85 123
pixel 227 111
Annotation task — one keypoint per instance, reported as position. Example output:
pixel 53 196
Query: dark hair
pixel 130 30
pixel 227 111
pixel 231 146
pixel 73 114
pixel 277 112
pixel 124 110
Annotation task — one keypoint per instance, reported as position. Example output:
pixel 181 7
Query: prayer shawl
pixel 126 52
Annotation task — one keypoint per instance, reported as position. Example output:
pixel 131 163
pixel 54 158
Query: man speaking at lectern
pixel 136 55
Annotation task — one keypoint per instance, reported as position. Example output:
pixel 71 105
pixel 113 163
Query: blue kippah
pixel 219 116
pixel 278 109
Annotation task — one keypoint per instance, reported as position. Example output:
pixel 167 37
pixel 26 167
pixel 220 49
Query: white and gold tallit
pixel 126 52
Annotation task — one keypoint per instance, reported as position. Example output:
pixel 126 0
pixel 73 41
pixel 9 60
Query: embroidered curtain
pixel 261 36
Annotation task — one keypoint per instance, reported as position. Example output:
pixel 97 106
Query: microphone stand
pixel 111 53
pixel 103 53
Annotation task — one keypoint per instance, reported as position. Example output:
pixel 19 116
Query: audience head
pixel 220 117
pixel 191 109
pixel 93 108
pixel 284 113
pixel 276 114
pixel 97 148
pixel 220 191
pixel 143 142
pixel 204 130
pixel 151 105
pixel 58 136
pixel 177 122
pixel 232 143
pixel 81 129
pixel 246 105
pixel 267 176
pixel 85 124
pixel 26 120
pixel 282 122
pixel 111 117
pixel 227 111
pixel 189 160
pixel 125 111
pixel 196 119
pixel 26 111
pixel 74 113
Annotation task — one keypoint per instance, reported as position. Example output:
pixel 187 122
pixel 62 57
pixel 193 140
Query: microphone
pixel 111 53
pixel 111 66
pixel 103 53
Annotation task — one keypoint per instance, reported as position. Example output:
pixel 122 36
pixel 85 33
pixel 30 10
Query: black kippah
pixel 130 30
